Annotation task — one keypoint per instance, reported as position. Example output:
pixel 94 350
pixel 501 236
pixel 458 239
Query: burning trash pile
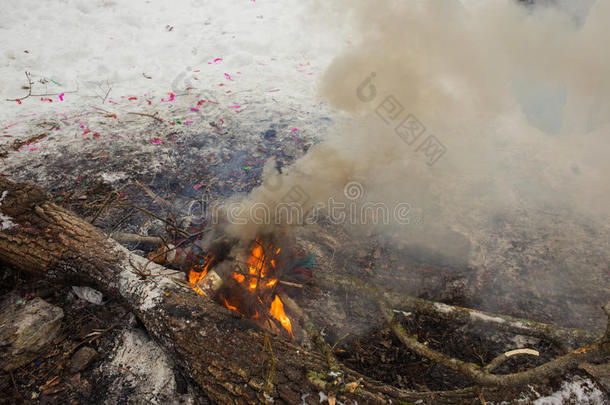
pixel 246 280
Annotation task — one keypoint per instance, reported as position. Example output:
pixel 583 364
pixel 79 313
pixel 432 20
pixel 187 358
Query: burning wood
pixel 251 291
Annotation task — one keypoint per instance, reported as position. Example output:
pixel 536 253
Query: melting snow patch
pixel 576 391
pixel 5 221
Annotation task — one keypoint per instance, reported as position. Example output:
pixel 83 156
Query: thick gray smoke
pixel 460 109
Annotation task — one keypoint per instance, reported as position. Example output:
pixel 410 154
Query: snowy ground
pixel 129 56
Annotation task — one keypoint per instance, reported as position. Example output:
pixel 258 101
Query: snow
pixel 236 53
pixel 576 391
pixel 5 221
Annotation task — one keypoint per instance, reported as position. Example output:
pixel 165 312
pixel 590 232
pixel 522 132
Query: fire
pixel 257 279
pixel 256 266
pixel 198 271
pixel 231 307
pixel 277 311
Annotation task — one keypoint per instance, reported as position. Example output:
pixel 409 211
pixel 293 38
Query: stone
pixel 26 328
pixel 82 358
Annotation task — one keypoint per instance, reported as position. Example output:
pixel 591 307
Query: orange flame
pixel 258 269
pixel 231 307
pixel 198 271
pixel 277 311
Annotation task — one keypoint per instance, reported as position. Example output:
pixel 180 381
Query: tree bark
pixel 231 359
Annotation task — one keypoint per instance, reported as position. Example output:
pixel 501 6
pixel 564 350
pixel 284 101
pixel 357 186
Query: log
pixel 231 359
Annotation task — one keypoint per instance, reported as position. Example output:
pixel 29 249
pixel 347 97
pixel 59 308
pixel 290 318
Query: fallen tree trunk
pixel 232 360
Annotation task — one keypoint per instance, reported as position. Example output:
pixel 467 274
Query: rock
pixel 27 329
pixel 82 358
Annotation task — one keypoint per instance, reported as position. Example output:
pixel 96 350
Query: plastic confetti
pixel 294 130
pixel 156 140
pixel 171 98
pixel 236 106
pixel 55 83
pixel 46 99
pixel 228 76
pixel 132 98
pixel 195 109
pixel 187 122
pixel 196 186
pixel 61 97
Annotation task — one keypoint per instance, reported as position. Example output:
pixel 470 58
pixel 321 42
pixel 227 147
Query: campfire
pixel 247 284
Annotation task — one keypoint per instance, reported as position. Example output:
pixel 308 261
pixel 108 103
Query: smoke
pixel 462 109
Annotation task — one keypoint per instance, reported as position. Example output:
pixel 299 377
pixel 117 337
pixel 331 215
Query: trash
pixel 61 97
pixel 172 96
pixel 88 294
